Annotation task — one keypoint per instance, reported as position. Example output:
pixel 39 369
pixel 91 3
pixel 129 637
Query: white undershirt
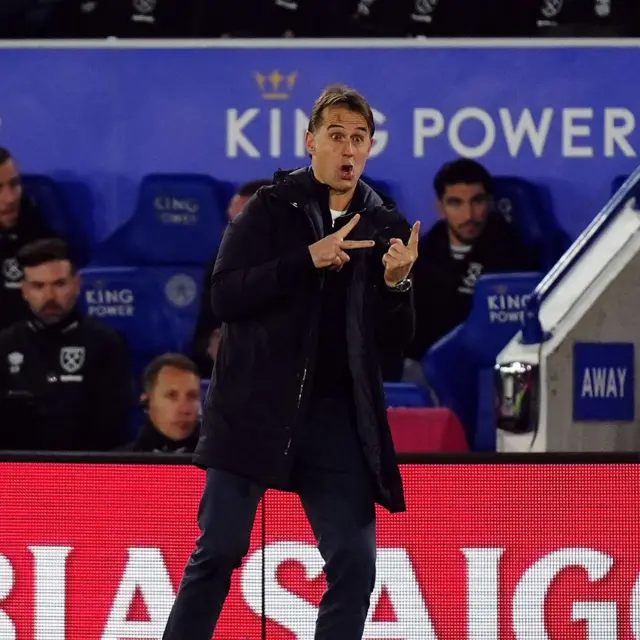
pixel 335 215
pixel 459 251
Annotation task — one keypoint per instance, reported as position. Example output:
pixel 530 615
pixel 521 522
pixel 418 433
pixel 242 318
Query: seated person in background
pixel 20 224
pixel 65 381
pixel 469 241
pixel 172 403
pixel 207 332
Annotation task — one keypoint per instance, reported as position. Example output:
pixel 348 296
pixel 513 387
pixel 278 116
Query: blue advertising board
pixel 603 382
pixel 564 117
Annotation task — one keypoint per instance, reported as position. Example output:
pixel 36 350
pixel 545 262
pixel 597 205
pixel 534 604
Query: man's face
pixel 174 403
pixel 465 208
pixel 339 148
pixel 10 194
pixel 236 205
pixel 51 290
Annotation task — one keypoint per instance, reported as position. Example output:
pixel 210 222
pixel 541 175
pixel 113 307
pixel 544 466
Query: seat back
pixel 50 199
pixel 178 220
pixel 527 207
pixel 497 313
pixel 454 364
pixel 449 369
pixel 154 308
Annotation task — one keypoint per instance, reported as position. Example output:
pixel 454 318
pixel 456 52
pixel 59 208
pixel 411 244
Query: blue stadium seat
pixel 50 199
pixel 179 220
pixel 458 365
pixel 404 394
pixel 154 308
pixel 527 207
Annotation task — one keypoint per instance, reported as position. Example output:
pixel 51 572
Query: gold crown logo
pixel 501 289
pixel 276 86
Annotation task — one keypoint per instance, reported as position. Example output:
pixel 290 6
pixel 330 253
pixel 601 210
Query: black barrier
pixel 544 458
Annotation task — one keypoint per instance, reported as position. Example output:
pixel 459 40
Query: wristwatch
pixel 403 286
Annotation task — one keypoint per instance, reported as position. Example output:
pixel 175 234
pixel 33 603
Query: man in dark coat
pixel 310 278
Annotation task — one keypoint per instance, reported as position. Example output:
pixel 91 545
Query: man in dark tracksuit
pixel 310 277
pixel 65 382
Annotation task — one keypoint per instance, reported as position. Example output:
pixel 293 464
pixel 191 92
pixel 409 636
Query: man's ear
pixel 310 143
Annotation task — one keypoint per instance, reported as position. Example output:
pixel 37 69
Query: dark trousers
pixel 331 479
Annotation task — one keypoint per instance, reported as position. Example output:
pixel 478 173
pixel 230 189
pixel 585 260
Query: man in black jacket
pixel 469 241
pixel 20 224
pixel 310 277
pixel 65 382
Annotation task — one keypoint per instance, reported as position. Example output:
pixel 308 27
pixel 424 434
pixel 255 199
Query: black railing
pixel 583 458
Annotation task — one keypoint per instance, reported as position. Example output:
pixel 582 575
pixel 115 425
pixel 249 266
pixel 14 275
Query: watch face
pixel 403 285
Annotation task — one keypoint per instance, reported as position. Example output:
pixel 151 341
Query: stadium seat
pixel 458 365
pixel 179 220
pixel 404 394
pixel 154 308
pixel 51 201
pixel 527 207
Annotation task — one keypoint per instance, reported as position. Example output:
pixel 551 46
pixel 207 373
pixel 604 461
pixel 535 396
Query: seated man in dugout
pixel 172 404
pixel 469 240
pixel 65 378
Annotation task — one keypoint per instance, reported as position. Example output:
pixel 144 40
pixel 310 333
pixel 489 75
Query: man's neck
pixel 340 201
pixel 454 241
pixel 59 325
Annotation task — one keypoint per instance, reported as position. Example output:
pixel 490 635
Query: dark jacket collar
pixel 152 441
pixel 495 230
pixel 67 324
pixel 297 184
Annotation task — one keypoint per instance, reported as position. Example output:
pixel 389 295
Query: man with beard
pixel 470 240
pixel 20 224
pixel 65 382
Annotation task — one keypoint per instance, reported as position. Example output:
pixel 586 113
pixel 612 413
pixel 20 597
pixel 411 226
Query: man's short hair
pixel 5 155
pixel 175 360
pixel 341 96
pixel 462 171
pixel 42 251
pixel 250 188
